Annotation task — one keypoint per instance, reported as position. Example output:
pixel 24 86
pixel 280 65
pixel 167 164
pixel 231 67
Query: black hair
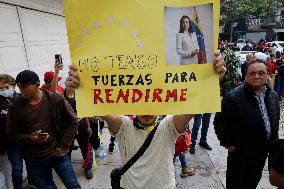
pixel 180 25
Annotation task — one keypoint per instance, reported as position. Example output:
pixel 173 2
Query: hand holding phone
pixel 58 58
pixel 42 134
pixel 58 66
pixel 39 137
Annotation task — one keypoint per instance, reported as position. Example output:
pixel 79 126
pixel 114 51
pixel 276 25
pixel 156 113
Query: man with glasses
pixel 247 126
pixel 43 125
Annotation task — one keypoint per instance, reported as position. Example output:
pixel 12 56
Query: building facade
pixel 31 33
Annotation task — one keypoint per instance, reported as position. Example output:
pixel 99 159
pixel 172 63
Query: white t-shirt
pixel 155 168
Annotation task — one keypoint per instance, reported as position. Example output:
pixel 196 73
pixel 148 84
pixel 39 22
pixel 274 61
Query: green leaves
pixel 232 76
pixel 243 9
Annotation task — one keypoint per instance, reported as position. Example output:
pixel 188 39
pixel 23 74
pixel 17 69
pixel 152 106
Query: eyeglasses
pixel 260 73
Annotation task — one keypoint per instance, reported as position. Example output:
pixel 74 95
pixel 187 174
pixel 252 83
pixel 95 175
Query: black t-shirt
pixel 278 162
pixel 71 101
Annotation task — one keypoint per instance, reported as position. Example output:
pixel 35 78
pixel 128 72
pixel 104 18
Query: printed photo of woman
pixel 189 35
pixel 186 43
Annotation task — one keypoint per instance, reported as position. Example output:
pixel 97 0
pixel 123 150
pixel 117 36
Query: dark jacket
pixel 5 104
pixel 243 71
pixel 53 116
pixel 280 69
pixel 241 124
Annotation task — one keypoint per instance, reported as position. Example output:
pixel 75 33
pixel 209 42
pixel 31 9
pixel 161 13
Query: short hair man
pixel 247 126
pixel 155 168
pixel 249 57
pixel 43 125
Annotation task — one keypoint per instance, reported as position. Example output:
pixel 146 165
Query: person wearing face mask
pixel 7 97
pixel 6 93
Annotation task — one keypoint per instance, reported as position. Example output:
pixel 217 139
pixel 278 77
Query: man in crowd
pixel 247 47
pixel 155 168
pixel 247 126
pixel 204 130
pixel 272 66
pixel 43 125
pixel 276 176
pixel 249 57
pixel 279 79
pixel 88 137
pixel 235 47
pixel 7 97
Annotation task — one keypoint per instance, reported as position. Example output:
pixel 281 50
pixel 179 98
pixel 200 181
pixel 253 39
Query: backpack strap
pixel 118 172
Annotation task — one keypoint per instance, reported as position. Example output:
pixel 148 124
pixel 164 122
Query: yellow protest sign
pixel 144 56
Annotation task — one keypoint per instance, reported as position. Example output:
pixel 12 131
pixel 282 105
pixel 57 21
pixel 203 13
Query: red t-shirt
pixel 59 89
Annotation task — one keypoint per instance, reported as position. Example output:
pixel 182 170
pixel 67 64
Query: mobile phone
pixel 58 57
pixel 42 134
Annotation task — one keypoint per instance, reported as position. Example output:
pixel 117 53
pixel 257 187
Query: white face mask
pixel 7 93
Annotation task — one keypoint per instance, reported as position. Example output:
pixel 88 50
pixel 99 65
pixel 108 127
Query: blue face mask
pixel 7 93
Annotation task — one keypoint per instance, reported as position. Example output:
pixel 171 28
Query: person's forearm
pixel 68 136
pixel 87 122
pixel 54 83
pixel 181 122
pixel 114 122
pixel 72 126
pixel 19 139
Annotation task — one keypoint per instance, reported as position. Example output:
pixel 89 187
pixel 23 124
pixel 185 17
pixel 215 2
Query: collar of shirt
pixel 149 128
pixel 262 93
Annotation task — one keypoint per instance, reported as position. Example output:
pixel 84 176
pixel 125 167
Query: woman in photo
pixel 187 44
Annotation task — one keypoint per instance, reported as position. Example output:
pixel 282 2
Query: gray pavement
pixel 210 166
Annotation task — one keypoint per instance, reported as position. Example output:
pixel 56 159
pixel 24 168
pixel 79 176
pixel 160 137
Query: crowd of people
pixel 261 46
pixel 40 129
pixel 39 126
pixel 275 65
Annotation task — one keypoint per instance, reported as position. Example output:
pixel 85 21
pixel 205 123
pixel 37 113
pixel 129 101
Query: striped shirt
pixel 263 110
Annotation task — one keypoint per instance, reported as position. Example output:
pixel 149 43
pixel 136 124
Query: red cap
pixel 48 76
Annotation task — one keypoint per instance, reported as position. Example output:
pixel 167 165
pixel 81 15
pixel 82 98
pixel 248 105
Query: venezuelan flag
pixel 196 27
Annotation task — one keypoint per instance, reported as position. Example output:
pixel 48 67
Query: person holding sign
pixel 187 44
pixel 155 168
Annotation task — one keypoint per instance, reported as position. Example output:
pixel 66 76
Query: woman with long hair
pixel 187 44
